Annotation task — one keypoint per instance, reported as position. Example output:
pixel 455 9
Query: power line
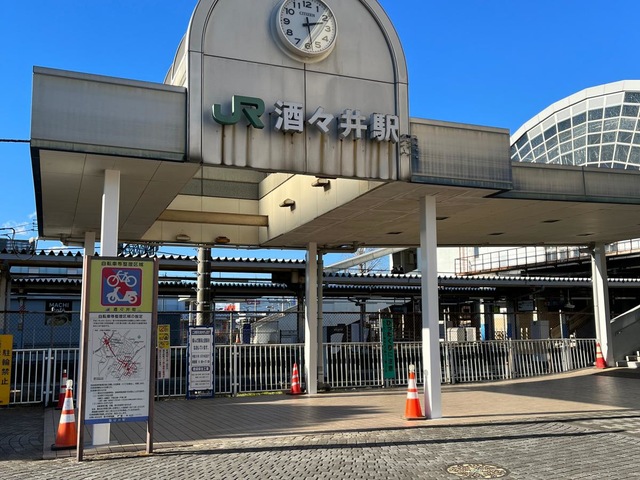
pixel 13 140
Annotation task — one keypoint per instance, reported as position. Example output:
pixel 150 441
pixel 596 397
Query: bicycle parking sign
pixel 121 287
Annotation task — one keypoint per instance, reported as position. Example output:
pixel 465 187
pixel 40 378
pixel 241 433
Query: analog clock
pixel 307 29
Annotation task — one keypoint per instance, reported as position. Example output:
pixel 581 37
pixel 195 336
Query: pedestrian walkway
pixel 580 425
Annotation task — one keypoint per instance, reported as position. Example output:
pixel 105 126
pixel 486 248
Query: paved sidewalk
pixel 580 425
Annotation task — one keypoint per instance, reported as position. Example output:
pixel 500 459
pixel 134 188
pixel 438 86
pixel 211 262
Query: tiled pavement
pixel 573 426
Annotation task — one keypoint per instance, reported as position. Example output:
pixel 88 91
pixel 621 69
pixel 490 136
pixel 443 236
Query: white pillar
pixel 311 320
pixel 110 214
pixel 430 324
pixel 108 248
pixel 602 314
pixel 319 304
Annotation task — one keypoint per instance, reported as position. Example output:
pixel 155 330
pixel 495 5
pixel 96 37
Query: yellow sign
pixel 6 347
pixel 164 336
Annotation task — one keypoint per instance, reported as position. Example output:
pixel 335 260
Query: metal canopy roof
pixel 482 198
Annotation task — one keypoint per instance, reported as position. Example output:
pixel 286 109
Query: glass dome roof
pixel 598 127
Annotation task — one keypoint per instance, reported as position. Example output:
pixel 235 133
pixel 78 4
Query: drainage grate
pixel 477 470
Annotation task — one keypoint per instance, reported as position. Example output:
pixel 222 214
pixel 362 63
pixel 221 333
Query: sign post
pixel 200 362
pixel 6 352
pixel 388 353
pixel 118 344
pixel 164 352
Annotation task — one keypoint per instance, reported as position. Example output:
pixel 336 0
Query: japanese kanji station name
pixel 290 118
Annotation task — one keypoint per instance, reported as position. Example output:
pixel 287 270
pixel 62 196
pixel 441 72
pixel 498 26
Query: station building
pixel 276 127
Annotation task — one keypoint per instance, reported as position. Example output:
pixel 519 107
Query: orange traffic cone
pixel 600 363
pixel 63 390
pixel 67 434
pixel 412 409
pixel 295 381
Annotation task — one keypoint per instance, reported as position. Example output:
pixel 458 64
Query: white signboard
pixel 117 341
pixel 118 367
pixel 200 361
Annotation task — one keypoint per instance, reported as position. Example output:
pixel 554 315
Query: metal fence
pixel 37 373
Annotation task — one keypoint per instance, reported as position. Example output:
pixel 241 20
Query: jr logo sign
pixel 290 118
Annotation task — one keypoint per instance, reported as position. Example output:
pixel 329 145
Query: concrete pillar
pixel 319 299
pixel 430 324
pixel 601 310
pixel 108 248
pixel 110 214
pixel 311 320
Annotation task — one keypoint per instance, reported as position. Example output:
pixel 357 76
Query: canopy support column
pixel 430 323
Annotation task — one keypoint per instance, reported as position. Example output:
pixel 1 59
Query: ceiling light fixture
pixel 183 237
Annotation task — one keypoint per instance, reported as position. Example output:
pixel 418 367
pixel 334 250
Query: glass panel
pixel 552 142
pixel 634 157
pixel 594 154
pixel 619 165
pixel 522 140
pixel 539 151
pixel 595 127
pixel 595 114
pixel 627 124
pixel 553 153
pixel 636 138
pixel 528 158
pixel 622 152
pixel 513 151
pixel 566 147
pixel 564 125
pixel 630 110
pixel 579 156
pixel 632 97
pixel 526 149
pixel 611 124
pixel 578 119
pixel 580 130
pixel 595 139
pixel 550 133
pixel 579 142
pixel 609 137
pixel 536 141
pixel 564 136
pixel 611 112
pixel 625 137
pixel 606 153
pixel 567 159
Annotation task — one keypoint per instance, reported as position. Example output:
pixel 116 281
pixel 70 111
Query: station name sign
pixel 290 118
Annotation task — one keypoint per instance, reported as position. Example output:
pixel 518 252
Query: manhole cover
pixel 477 470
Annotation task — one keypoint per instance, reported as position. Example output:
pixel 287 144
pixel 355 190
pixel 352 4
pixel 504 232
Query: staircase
pixel 626 334
pixel 631 361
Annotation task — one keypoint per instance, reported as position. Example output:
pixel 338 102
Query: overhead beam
pixel 214 218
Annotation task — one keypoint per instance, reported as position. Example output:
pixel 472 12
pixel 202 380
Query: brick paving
pixel 577 426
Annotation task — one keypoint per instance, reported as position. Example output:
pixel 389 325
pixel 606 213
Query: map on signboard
pixel 119 355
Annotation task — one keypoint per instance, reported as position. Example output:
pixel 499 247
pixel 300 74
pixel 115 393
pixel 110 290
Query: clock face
pixel 307 28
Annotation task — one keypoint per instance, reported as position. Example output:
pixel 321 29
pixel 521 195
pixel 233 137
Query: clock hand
pixel 308 25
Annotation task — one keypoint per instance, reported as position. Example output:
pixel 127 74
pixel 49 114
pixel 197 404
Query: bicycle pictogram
pixel 121 287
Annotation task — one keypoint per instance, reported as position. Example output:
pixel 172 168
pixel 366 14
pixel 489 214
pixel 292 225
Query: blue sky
pixel 495 63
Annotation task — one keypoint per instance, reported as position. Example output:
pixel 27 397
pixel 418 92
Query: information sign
pixel 6 352
pixel 200 362
pixel 388 354
pixel 164 352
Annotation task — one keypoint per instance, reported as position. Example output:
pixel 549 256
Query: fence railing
pixel 37 373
